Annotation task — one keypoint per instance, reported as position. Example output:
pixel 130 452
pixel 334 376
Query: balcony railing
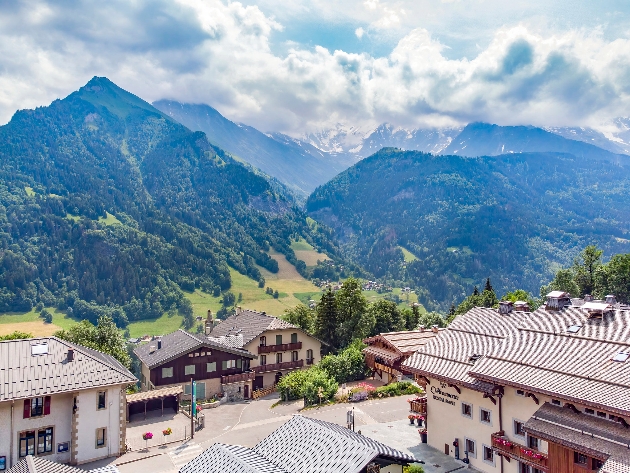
pixel 419 406
pixel 281 347
pixel 287 365
pixel 310 361
pixel 505 447
pixel 238 378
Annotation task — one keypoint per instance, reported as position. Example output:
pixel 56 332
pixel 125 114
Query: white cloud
pixel 220 54
pixel 359 32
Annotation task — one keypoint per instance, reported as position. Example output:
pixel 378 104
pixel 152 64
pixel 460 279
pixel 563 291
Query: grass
pixel 463 249
pixel 305 297
pixel 161 326
pixel 29 191
pixel 305 252
pixel 31 322
pixel 75 218
pixel 408 255
pixel 109 219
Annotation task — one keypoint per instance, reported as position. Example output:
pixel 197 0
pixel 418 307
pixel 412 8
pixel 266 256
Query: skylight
pixel 40 349
pixel 621 357
pixel 574 328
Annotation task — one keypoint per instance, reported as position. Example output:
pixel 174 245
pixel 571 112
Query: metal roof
pixel 32 464
pixel 24 375
pixel 155 394
pixel 405 342
pixel 250 324
pixel 221 458
pixel 179 343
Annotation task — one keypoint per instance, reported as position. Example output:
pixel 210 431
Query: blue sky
pixel 308 65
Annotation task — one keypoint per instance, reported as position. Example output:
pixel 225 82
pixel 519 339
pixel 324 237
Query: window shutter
pixel 239 363
pixel 27 408
pixel 47 405
pixel 224 365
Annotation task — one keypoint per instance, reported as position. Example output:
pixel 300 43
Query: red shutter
pixel 47 405
pixel 27 408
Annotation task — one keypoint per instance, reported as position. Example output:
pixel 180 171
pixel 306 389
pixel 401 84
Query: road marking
pixel 183 454
pixel 226 427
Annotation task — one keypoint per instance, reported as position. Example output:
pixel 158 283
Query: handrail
pixel 281 347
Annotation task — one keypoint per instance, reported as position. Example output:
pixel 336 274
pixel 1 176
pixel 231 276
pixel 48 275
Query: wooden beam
pixel 572 407
pixel 455 387
pixel 488 396
pixel 498 390
pixel 533 396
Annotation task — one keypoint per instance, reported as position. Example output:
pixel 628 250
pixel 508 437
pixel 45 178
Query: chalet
pixel 173 360
pixel 386 352
pixel 528 392
pixel 281 347
pixel 60 402
pixel 303 445
pixel 31 464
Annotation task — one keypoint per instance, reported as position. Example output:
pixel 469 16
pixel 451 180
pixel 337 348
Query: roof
pixel 32 464
pixel 590 435
pixel 24 375
pixel 179 343
pixel 305 445
pixel 221 458
pixel 389 355
pixel 154 394
pixel 234 341
pixel 406 342
pixel 250 324
pixel 558 294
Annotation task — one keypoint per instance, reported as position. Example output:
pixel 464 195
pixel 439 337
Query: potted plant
pixel 420 420
pixel 411 418
pixel 146 437
pixel 423 435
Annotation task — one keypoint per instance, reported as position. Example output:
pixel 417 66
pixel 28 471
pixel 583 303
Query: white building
pixel 60 401
pixel 545 391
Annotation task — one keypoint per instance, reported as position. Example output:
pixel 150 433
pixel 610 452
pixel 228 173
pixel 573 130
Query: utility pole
pixel 193 407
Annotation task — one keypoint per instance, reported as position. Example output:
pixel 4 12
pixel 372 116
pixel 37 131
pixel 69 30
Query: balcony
pixel 509 449
pixel 281 347
pixel 238 378
pixel 287 365
pixel 419 406
pixel 310 361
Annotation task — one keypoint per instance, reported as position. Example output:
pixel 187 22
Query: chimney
pixel 70 354
pixel 610 299
pixel 505 307
pixel 421 328
pixel 521 306
pixel 151 348
pixel 238 309
pixel 159 343
pixel 209 325
pixel 589 298
pixel 434 328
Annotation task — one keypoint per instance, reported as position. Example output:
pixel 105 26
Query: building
pixel 545 391
pixel 280 347
pixel 303 445
pixel 61 402
pixel 32 464
pixel 217 366
pixel 386 352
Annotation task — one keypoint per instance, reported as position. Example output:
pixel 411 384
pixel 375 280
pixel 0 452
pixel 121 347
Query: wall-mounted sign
pixel 443 396
pixel 3 463
pixel 63 447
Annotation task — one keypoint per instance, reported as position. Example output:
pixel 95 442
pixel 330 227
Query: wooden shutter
pixel 27 408
pixel 47 405
pixel 224 365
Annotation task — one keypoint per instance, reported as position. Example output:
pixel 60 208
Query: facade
pixel 546 391
pixel 60 402
pixel 279 346
pixel 303 445
pixel 32 464
pixel 386 352
pixel 218 366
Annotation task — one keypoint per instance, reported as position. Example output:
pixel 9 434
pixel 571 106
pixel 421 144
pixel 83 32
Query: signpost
pixel 193 406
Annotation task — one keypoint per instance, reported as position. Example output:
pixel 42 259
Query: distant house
pixel 60 401
pixel 386 352
pixel 303 445
pixel 179 357
pixel 281 347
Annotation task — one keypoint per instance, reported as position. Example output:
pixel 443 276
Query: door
pixel 258 383
pixel 447 449
pixel 278 376
pixel 246 391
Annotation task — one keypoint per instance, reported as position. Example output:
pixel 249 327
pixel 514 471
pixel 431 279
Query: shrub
pixel 306 384
pixel 349 365
pixel 396 389
pixel 413 469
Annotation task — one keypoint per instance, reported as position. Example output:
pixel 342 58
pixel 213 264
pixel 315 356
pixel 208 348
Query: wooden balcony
pixel 287 365
pixel 281 347
pixel 509 449
pixel 419 407
pixel 238 378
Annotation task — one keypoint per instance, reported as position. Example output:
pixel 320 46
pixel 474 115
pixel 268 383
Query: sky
pixel 308 65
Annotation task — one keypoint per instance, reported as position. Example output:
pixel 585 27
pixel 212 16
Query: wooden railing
pixel 419 406
pixel 237 378
pixel 263 391
pixel 505 447
pixel 281 347
pixel 287 365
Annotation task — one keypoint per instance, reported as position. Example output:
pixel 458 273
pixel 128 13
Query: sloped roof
pixel 389 355
pixel 234 341
pixel 24 375
pixel 250 324
pixel 32 464
pixel 178 343
pixel 154 394
pixel 305 445
pixel 405 342
pixel 221 458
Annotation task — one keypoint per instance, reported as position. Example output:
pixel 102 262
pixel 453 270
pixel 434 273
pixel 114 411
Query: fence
pixel 264 391
pixel 135 441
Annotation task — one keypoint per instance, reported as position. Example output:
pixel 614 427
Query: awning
pixel 154 394
pixel 386 355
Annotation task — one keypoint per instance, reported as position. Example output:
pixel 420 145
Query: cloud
pixel 221 54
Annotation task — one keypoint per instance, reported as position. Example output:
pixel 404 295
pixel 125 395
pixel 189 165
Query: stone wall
pixel 234 392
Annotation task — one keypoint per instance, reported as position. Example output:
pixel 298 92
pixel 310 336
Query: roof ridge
pixel 81 348
pixel 476 333
pixel 579 337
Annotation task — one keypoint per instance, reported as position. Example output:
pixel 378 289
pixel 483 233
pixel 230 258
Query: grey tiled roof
pixel 234 341
pixel 305 445
pixel 24 375
pixel 178 343
pixel 221 458
pixel 249 324
pixel 32 464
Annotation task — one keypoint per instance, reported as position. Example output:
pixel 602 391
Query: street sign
pixel 194 398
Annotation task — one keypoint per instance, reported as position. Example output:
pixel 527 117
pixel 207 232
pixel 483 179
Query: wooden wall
pixel 561 460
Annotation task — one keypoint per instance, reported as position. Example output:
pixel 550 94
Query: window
pixel 167 372
pixel 488 454
pixel 555 402
pixel 211 367
pixel 100 437
pixel 580 458
pixel 589 411
pixel 37 406
pixel 189 369
pixel 278 357
pixel 469 446
pixel 45 441
pixel 203 353
pixel 524 468
pixel 294 356
pixel 520 392
pixel 101 400
pixel 518 428
pixel 485 416
pixel 621 357
pixel 467 410
pixel 294 338
pixel 196 354
pixel 187 389
pixel 228 364
pixel 201 390
pixel 532 442
pixel 601 414
pixel 27 443
pixel 190 355
pixel 574 328
pixel 597 464
pixel 263 360
pixel 239 363
pixel 309 354
pixel 263 341
pixel 278 339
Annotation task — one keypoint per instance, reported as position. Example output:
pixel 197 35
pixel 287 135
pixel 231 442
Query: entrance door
pixel 246 391
pixel 278 376
pixel 258 383
pixel 447 449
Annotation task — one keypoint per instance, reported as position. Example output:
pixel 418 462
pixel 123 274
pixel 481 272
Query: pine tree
pixel 327 320
pixel 452 311
pixel 488 286
pixel 476 291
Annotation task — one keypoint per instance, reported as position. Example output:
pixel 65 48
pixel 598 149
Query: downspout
pixel 11 440
pixel 500 396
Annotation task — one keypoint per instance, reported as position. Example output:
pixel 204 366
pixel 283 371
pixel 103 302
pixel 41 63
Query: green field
pixel 408 255
pixel 29 191
pixel 109 219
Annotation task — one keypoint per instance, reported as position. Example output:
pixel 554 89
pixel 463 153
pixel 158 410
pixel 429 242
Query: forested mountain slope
pixel 513 217
pixel 105 201
pixel 298 165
